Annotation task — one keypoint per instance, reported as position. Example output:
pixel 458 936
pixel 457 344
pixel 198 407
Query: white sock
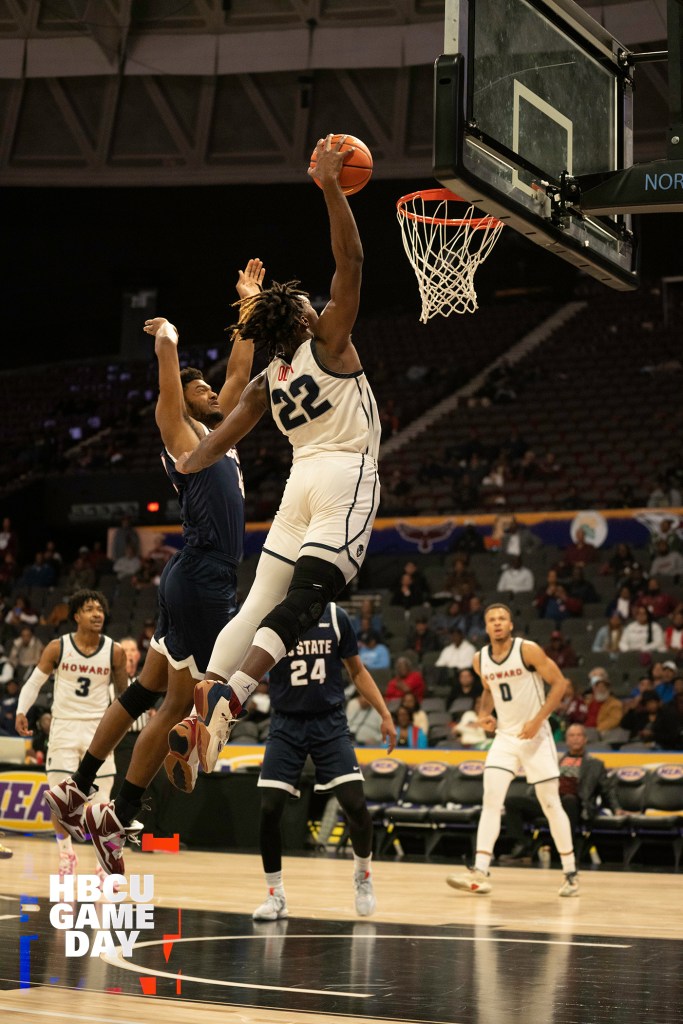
pixel 362 864
pixel 64 843
pixel 274 880
pixel 568 863
pixel 482 862
pixel 242 685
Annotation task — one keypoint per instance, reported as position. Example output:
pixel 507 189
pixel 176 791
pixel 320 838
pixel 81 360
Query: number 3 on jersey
pixel 83 687
pixel 299 675
pixel 295 413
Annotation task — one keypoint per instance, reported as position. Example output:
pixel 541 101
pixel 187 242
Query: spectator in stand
pixel 6 669
pixel 368 617
pixel 664 496
pixel 458 575
pixel 644 686
pixel 464 693
pixel 561 651
pixel 458 653
pixel 668 530
pixel 39 741
pixel 608 637
pixel 573 708
pixel 81 576
pixel 9 541
pixel 25 653
pixel 548 467
pixel 372 652
pixel 443 623
pixel 621 560
pixel 605 711
pixel 407 594
pixel 673 634
pixel 635 580
pixel 655 600
pixel 474 621
pixel 54 559
pixel 407 733
pixel 643 634
pixel 667 728
pixel 582 780
pixel 639 719
pixel 96 558
pixel 8 709
pixel 555 603
pixel 420 718
pixel 39 574
pixel 406 679
pixel 422 639
pixel 21 614
pixel 365 724
pixel 667 561
pixel 125 537
pixel 128 564
pixel 620 605
pixel 579 586
pixel 146 576
pixel 515 578
pixel 467 733
pixel 469 541
pixel 9 571
pixel 580 552
pixel 665 687
pixel 517 540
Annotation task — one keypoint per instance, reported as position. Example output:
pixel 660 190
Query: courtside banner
pixel 22 802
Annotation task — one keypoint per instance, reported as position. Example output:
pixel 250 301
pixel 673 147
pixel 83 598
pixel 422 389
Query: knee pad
pixel 315 583
pixel 137 699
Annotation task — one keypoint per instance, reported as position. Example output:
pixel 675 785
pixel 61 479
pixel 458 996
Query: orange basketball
pixel 357 169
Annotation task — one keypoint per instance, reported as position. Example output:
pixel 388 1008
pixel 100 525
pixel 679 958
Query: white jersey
pixel 518 690
pixel 82 680
pixel 322 411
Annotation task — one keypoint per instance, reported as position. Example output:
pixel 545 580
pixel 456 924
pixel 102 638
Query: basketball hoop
pixel 445 247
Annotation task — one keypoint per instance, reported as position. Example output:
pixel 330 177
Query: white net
pixel 445 241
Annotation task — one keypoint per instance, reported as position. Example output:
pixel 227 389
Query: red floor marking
pixel 167 844
pixel 148 986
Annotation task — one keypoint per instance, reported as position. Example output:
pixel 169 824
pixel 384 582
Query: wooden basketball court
pixel 429 954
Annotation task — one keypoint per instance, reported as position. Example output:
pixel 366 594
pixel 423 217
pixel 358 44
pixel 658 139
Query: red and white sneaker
pixel 218 710
pixel 182 761
pixel 109 836
pixel 68 862
pixel 67 803
pixel 471 880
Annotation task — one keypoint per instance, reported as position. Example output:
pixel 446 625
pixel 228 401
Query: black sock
pixel 128 802
pixel 84 776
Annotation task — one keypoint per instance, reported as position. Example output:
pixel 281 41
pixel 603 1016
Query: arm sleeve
pixel 30 690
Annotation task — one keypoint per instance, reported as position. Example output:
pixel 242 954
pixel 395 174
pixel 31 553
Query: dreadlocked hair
pixel 271 318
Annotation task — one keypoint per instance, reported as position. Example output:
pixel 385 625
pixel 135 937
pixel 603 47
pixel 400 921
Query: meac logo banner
pixel 22 802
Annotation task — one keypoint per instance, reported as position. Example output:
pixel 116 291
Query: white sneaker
pixel 472 880
pixel 217 712
pixel 570 886
pixel 273 908
pixel 365 894
pixel 68 862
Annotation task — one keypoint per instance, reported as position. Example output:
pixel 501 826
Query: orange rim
pixel 436 195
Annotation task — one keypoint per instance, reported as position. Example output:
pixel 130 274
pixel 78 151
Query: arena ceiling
pixel 145 92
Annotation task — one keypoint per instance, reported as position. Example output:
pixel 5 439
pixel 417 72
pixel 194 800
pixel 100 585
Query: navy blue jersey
pixel 309 679
pixel 211 505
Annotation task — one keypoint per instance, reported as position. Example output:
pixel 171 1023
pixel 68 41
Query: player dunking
pixel 196 593
pixel 513 673
pixel 84 664
pixel 307 696
pixel 317 392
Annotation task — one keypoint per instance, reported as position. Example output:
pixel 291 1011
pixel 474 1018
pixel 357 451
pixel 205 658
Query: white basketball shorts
pixel 327 510
pixel 69 740
pixel 537 758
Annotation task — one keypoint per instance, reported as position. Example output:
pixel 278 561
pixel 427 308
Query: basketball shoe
pixel 570 886
pixel 365 894
pixel 182 761
pixel 68 862
pixel 67 803
pixel 471 881
pixel 109 835
pixel 217 709
pixel 273 907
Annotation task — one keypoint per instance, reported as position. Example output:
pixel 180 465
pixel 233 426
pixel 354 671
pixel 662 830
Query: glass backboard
pixel 528 90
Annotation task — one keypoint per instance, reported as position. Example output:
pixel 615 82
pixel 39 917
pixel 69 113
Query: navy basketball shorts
pixel 325 737
pixel 197 596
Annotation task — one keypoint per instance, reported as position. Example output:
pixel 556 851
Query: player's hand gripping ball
pixel 357 169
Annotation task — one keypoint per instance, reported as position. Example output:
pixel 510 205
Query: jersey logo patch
pixel 359 550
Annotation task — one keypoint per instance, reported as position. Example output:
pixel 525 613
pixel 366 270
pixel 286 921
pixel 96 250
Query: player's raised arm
pixel 250 408
pixel 337 319
pixel 31 688
pixel 551 674
pixel 238 370
pixel 171 414
pixel 367 686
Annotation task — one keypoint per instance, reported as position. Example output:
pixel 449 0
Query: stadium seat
pixel 410 814
pixel 461 794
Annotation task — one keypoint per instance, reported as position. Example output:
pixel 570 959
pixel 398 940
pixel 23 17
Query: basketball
pixel 357 169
